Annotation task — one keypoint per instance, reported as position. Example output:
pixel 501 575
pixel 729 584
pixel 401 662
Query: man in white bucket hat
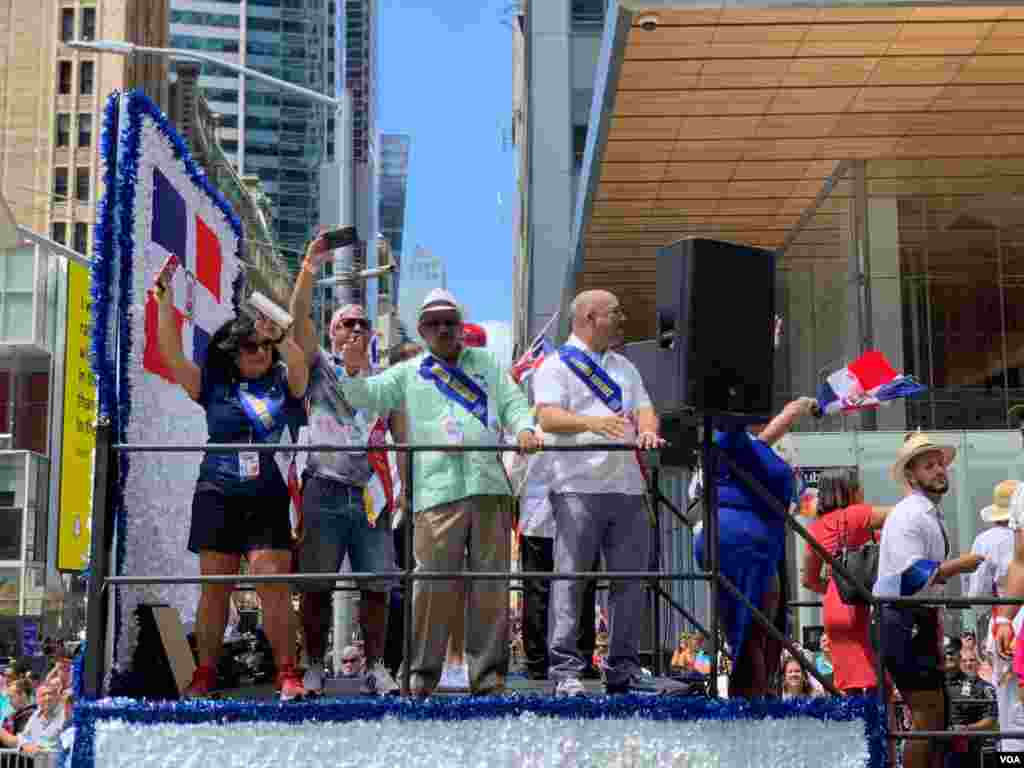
pixel 458 396
pixel 914 562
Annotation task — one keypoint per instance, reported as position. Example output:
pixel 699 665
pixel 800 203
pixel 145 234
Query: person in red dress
pixel 844 518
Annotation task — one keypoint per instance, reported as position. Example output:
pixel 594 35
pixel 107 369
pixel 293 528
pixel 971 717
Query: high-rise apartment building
pixel 278 136
pixel 51 102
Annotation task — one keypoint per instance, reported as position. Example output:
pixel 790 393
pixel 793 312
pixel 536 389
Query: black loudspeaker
pixel 715 329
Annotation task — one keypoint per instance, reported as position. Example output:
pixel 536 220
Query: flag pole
pixel 543 330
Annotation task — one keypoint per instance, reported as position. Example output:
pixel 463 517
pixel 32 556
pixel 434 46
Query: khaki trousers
pixel 477 528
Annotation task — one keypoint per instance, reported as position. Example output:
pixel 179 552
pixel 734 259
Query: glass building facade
pixel 267 132
pixel 941 293
pixel 394 182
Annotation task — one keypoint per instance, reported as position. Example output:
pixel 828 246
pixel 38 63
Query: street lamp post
pixel 345 211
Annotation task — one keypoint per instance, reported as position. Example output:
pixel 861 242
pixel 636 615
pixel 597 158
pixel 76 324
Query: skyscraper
pixel 394 181
pixel 420 274
pixel 280 137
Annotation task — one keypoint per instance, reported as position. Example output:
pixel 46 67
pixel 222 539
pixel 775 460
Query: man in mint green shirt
pixel 458 396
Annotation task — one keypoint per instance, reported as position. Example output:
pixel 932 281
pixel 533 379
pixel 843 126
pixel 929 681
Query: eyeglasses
pixel 352 322
pixel 252 347
pixel 436 325
pixel 350 660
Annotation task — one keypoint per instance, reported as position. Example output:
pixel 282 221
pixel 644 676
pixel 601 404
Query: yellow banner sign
pixel 79 433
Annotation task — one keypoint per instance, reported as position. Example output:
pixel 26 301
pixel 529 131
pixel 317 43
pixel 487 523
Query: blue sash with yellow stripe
pixel 263 404
pixel 604 387
pixel 453 383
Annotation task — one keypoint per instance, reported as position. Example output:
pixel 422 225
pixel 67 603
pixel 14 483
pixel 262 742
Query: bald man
pixel 588 393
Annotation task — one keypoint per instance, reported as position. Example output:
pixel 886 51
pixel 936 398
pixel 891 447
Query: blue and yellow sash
pixel 453 383
pixel 604 387
pixel 263 405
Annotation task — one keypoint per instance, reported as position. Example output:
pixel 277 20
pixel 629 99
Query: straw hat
pixel 916 444
pixel 999 510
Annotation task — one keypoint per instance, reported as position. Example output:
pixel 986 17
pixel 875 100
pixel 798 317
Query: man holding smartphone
pixel 335 517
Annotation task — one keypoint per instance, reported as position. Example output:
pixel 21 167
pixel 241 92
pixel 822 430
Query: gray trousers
pixel 586 524
pixel 443 535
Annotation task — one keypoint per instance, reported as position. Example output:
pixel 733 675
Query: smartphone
pixel 166 273
pixel 341 237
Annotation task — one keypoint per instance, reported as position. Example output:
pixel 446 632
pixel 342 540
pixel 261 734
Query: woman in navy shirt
pixel 251 387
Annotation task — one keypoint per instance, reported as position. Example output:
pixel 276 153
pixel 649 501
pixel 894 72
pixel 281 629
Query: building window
pixel 63 138
pixel 59 232
pixel 82 238
pixel 85 78
pixel 60 185
pixel 82 184
pixel 88 23
pixel 64 77
pixel 67 25
pixel 84 130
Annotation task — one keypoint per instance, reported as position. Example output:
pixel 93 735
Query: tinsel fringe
pixel 121 141
pixel 441 709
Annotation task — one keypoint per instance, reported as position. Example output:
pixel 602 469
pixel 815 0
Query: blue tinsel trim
pixel 103 263
pixel 118 251
pixel 443 708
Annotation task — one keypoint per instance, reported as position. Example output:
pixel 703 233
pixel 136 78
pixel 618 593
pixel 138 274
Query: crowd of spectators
pixel 35 711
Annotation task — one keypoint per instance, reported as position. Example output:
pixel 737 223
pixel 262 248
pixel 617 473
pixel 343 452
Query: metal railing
pixel 712 455
pixel 103 525
pixel 13 758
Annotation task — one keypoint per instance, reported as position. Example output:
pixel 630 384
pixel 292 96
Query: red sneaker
pixel 290 684
pixel 204 680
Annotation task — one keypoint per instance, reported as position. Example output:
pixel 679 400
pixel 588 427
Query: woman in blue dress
pixel 752 547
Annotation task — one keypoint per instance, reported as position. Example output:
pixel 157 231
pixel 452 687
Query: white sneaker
pixel 570 686
pixel 313 680
pixel 378 682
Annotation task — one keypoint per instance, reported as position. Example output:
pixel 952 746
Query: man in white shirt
pixel 913 562
pixel 584 394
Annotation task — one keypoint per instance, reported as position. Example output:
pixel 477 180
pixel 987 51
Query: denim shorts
pixel 335 525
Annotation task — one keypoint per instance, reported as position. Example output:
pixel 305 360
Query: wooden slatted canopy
pixel 727 122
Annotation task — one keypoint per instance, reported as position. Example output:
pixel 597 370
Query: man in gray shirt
pixel 336 520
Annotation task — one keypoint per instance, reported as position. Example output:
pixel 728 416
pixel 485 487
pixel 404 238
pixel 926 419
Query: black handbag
pixel 861 563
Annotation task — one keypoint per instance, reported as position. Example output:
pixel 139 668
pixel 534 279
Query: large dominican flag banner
pixel 156 201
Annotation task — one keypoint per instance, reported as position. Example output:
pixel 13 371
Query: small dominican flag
pixel 198 284
pixel 867 382
pixel 379 494
pixel 531 360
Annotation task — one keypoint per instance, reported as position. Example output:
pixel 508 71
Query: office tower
pixel 279 136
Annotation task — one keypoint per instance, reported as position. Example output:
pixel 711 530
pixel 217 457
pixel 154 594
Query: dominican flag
pixel 531 360
pixel 867 382
pixel 201 300
pixel 379 494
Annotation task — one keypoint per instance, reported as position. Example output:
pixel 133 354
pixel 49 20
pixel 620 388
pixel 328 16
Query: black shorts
pixel 910 648
pixel 238 525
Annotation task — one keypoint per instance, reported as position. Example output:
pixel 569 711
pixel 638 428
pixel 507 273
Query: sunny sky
pixel 445 71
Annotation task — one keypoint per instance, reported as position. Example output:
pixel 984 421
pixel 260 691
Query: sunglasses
pixel 353 322
pixel 252 347
pixel 434 325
